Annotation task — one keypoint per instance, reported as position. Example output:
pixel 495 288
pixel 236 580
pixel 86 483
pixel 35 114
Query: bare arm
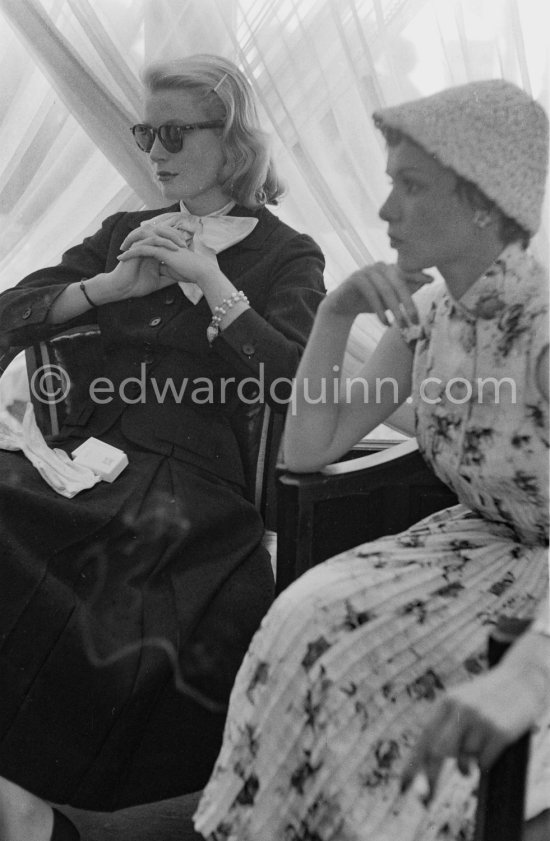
pixel 319 428
pixel 324 421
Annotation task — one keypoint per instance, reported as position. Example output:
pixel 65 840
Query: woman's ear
pixel 227 170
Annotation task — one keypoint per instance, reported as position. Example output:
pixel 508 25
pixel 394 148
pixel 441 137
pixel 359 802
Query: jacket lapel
pixel 266 223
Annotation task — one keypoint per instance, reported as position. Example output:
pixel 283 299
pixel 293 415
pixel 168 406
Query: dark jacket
pixel 150 342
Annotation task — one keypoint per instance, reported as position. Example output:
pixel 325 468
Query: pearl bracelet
pixel 214 327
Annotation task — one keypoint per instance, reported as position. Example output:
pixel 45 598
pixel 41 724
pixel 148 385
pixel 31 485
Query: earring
pixel 482 218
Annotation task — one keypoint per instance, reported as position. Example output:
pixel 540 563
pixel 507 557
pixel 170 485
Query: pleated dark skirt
pixel 124 615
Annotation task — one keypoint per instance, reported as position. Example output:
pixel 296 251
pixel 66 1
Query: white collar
pixel 223 211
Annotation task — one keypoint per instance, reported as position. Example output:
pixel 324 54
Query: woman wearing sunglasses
pixel 131 605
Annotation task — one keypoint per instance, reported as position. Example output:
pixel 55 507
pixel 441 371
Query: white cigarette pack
pixel 106 461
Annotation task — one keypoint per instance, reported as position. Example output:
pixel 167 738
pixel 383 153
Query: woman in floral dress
pixel 351 658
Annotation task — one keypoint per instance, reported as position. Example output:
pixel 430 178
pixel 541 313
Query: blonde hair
pixel 249 175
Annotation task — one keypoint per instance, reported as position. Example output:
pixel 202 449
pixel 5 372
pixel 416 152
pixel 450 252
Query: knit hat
pixel 491 133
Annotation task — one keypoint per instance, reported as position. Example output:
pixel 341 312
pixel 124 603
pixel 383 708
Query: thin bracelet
pixel 83 287
pixel 214 327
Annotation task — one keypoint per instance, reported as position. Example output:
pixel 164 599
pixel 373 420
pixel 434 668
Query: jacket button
pixel 170 299
pixel 27 313
pixel 248 349
pixel 155 321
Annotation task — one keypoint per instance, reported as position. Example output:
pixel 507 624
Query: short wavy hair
pixel 249 175
pixel 509 229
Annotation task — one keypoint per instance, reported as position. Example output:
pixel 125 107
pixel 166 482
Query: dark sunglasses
pixel 170 136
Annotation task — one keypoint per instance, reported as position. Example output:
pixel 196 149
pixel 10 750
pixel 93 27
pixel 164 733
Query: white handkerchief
pixel 55 466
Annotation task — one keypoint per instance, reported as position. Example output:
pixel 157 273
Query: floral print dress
pixel 340 677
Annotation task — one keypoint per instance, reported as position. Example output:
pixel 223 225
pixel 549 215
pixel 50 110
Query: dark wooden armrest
pixel 501 793
pixel 348 503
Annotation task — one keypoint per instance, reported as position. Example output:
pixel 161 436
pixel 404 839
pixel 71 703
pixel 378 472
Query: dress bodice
pixel 482 423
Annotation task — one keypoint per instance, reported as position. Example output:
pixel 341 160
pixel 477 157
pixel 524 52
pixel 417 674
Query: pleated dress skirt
pixel 125 613
pixel 344 671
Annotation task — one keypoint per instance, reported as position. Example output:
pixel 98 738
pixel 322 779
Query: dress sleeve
pixel 24 309
pixel 268 346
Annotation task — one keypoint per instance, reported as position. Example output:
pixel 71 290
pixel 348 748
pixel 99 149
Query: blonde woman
pixel 117 602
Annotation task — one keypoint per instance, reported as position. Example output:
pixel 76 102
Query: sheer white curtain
pixel 70 90
pixel 321 68
pixel 68 94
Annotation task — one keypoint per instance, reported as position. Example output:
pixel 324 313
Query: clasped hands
pixel 157 255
